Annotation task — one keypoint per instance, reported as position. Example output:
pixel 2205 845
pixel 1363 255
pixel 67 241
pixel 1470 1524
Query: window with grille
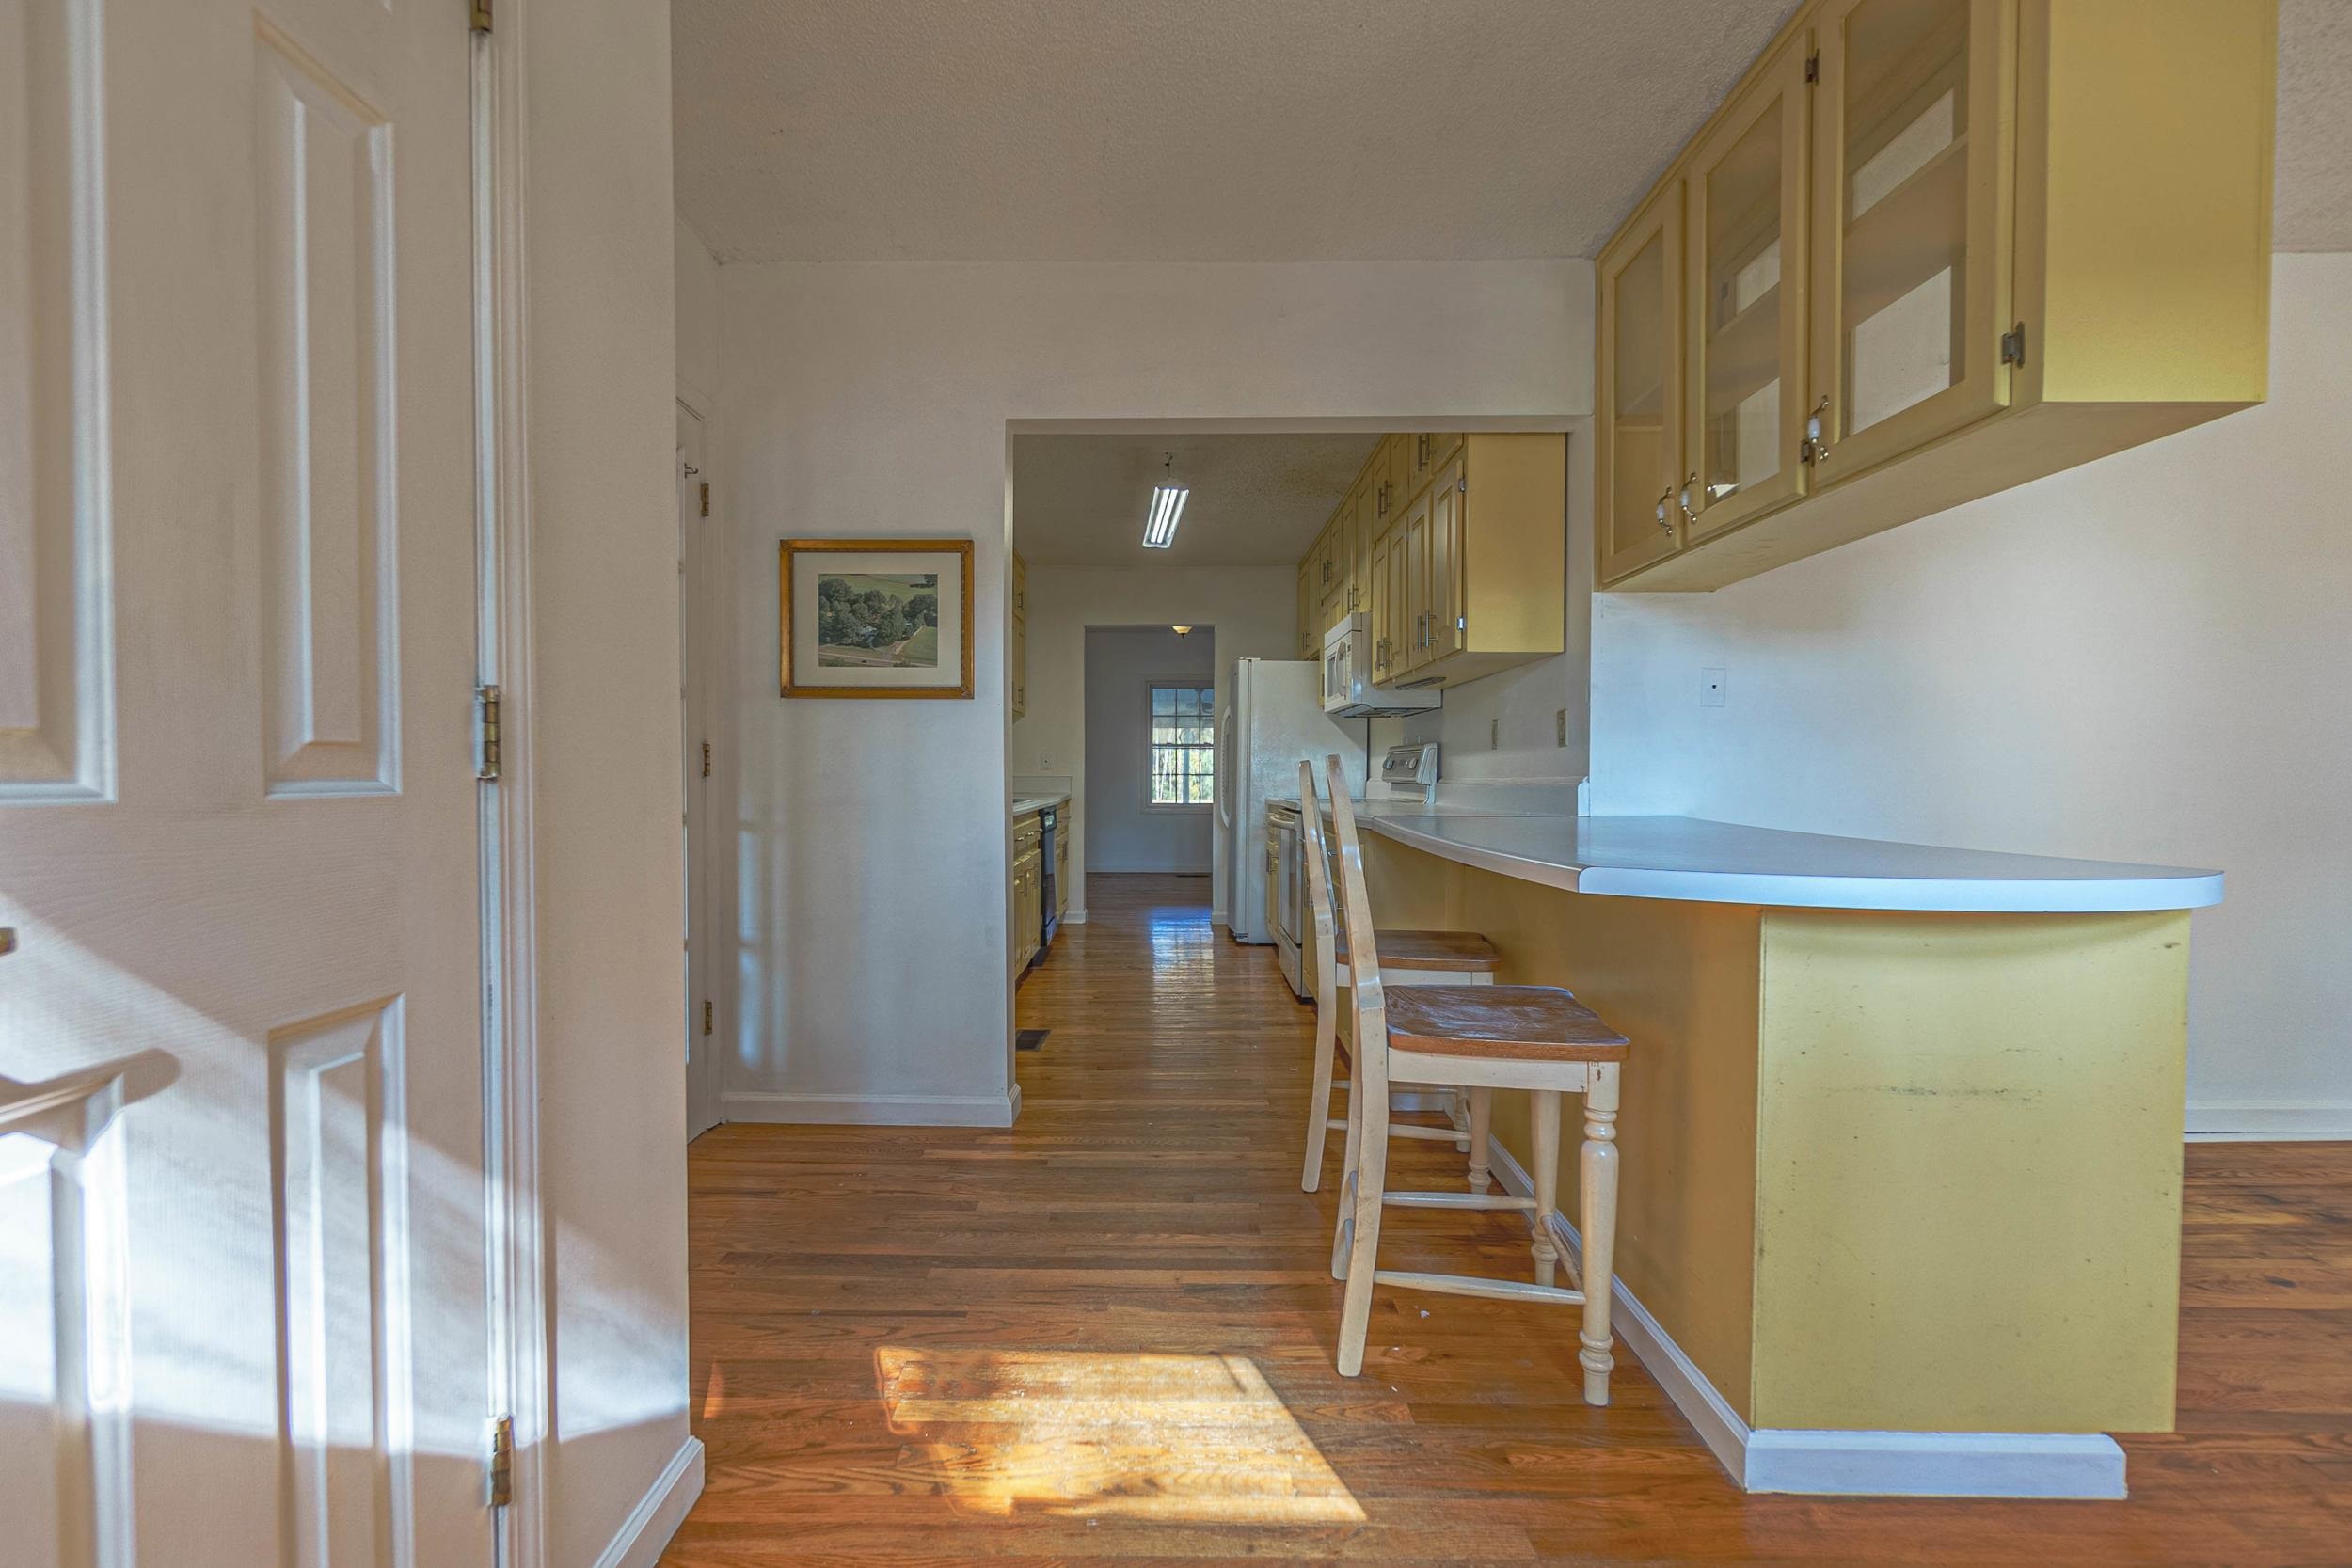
pixel 1183 744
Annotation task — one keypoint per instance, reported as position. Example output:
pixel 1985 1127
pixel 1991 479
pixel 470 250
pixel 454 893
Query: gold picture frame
pixel 874 617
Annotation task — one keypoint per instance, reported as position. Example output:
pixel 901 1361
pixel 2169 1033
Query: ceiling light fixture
pixel 1167 508
pixel 1182 631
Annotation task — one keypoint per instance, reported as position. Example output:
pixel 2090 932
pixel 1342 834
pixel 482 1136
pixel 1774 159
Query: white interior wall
pixel 2142 659
pixel 604 727
pixel 697 272
pixel 1122 831
pixel 873 400
pixel 1253 611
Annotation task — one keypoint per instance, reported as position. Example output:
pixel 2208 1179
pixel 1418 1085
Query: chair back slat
pixel 1369 1004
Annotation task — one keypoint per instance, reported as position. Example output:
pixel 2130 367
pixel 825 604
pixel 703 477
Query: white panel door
pixel 241 1206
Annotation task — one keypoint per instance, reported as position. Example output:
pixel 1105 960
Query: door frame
pixel 521 1368
pixel 702 644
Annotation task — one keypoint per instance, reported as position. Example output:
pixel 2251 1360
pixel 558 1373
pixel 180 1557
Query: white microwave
pixel 1347 688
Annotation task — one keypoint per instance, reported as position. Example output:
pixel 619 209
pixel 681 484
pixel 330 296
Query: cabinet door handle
pixel 1814 446
pixel 1690 483
pixel 1664 521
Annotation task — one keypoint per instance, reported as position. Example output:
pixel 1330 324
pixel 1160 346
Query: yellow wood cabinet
pixel 1927 251
pixel 1028 889
pixel 1451 547
pixel 1473 566
pixel 1017 644
pixel 1307 633
pixel 1062 873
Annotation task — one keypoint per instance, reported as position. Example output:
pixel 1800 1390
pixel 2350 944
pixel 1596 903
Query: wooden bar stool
pixel 1533 1038
pixel 1406 958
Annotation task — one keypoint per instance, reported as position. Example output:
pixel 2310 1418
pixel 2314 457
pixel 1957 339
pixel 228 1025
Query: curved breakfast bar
pixel 1903 1215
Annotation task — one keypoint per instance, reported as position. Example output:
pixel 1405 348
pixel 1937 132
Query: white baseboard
pixel 658 1514
pixel 2269 1121
pixel 1843 1463
pixel 1077 916
pixel 873 1110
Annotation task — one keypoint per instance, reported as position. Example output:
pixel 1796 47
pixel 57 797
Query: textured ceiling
pixel 2313 200
pixel 1261 130
pixel 1188 130
pixel 1257 501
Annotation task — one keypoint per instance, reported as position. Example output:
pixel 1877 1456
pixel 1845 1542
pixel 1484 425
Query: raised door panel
pixel 1418 602
pixel 1397 468
pixel 1637 459
pixel 1744 382
pixel 1378 619
pixel 1912 133
pixel 56 679
pixel 1400 603
pixel 1447 603
pixel 329 465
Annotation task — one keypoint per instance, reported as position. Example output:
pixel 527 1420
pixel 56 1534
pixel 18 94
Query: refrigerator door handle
pixel 1225 761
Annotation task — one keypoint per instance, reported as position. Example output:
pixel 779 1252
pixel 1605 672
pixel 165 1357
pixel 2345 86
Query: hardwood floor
pixel 1105 1336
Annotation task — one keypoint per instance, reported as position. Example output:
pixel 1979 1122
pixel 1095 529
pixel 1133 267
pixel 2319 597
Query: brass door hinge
pixel 485 732
pixel 482 16
pixel 500 1474
pixel 705 759
pixel 1812 65
pixel 2013 345
pixel 706 498
pixel 705 1015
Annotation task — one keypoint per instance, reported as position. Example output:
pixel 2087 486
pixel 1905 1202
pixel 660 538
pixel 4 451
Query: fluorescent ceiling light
pixel 1167 505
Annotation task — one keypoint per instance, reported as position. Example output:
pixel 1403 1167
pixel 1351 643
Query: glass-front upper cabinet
pixel 1911 267
pixel 1639 455
pixel 1745 401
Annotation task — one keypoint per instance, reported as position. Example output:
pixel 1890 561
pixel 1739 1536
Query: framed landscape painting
pixel 875 617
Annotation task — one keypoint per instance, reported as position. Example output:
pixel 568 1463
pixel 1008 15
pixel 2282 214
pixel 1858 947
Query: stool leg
pixel 1547 1141
pixel 1482 1125
pixel 1371 1183
pixel 1596 1199
pixel 1319 1108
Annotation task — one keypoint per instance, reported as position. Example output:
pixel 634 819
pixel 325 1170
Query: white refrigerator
pixel 1273 717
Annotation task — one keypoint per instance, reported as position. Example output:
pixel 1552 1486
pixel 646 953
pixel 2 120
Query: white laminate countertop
pixel 1720 862
pixel 1024 804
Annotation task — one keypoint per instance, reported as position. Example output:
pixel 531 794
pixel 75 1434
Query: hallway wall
pixel 873 400
pixel 1122 832
pixel 1254 612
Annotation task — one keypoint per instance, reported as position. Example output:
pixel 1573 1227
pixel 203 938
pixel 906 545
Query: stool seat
pixel 1529 1024
pixel 1460 952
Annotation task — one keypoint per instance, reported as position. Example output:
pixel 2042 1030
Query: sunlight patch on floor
pixel 1199 1438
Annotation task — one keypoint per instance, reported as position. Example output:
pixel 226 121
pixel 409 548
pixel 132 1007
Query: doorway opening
pixel 1151 759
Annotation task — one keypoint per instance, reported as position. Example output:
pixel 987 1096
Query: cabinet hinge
pixel 481 16
pixel 705 1015
pixel 499 1474
pixel 2013 345
pixel 1812 65
pixel 706 498
pixel 486 760
pixel 705 759
pixel 1462 485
